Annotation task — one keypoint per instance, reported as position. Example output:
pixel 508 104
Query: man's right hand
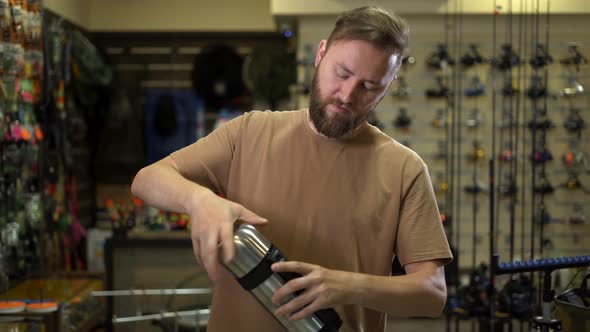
pixel 212 222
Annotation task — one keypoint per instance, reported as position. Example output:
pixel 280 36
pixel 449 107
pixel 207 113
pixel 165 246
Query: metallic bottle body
pixel 251 267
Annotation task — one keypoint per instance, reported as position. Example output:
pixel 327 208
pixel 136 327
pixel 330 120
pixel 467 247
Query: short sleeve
pixel 420 234
pixel 208 160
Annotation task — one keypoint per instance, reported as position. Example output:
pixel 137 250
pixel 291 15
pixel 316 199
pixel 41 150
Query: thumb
pixel 251 217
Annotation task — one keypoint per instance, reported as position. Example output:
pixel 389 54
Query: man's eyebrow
pixel 348 71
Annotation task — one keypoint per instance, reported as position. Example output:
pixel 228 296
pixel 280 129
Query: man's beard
pixel 339 123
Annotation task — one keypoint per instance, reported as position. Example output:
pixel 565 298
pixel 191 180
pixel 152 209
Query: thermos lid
pixel 250 247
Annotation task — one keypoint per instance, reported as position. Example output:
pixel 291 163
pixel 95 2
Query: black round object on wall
pixel 217 76
pixel 268 73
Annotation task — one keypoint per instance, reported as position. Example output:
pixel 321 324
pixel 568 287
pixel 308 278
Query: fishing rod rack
pixel 546 265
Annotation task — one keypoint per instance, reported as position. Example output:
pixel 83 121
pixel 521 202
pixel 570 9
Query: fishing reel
pixel 475 88
pixel 477 152
pixel 573 182
pixel 473 299
pixel 541 58
pixel 507 59
pixel 575 58
pixel 402 121
pixel 569 158
pixel 543 124
pixel 441 91
pixel 439 120
pixel 517 297
pixel 542 216
pixel 574 159
pixel 445 217
pixel 510 88
pixel 441 185
pixel 507 154
pixel 508 186
pixel 400 89
pixel 475 188
pixel 574 89
pixel 440 58
pixel 537 89
pixel 578 216
pixel 544 187
pixel 474 118
pixel 574 122
pixel 441 152
pixel 542 155
pixel 471 57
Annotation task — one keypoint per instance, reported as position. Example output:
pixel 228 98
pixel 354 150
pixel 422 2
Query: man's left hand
pixel 322 288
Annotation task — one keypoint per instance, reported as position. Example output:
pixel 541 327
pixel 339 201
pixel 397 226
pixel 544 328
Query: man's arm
pixel 421 292
pixel 212 217
pixel 161 185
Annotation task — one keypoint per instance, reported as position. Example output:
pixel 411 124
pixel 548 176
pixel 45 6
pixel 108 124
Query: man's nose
pixel 347 91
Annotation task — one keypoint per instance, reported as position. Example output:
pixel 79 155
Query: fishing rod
pixel 544 135
pixel 459 121
pixel 492 279
pixel 507 111
pixel 520 121
pixel 533 146
pixel 514 163
pixel 450 146
pixel 510 109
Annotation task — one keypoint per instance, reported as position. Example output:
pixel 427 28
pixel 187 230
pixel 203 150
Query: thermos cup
pixel 251 267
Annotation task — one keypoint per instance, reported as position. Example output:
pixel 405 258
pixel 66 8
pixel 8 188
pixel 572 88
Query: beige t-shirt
pixel 343 204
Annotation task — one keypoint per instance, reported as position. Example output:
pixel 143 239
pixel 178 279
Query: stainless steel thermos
pixel 251 267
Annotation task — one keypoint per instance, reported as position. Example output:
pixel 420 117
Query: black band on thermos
pixel 260 273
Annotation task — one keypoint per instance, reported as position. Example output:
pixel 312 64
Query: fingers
pixel 196 244
pixel 296 303
pixel 251 217
pixel 215 229
pixel 293 266
pixel 306 311
pixel 197 249
pixel 226 235
pixel 209 251
pixel 290 288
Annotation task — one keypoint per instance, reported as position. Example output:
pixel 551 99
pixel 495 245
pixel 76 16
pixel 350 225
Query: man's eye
pixel 342 75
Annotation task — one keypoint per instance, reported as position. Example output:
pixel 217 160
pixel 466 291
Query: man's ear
pixel 321 52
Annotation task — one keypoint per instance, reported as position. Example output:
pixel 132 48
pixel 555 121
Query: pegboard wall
pixel 565 231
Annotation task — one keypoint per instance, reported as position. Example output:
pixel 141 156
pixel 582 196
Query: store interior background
pixel 151 46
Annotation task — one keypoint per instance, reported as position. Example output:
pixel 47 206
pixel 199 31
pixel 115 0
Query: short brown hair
pixel 374 25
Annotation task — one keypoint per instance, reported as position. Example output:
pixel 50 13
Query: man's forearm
pixel 416 294
pixel 160 185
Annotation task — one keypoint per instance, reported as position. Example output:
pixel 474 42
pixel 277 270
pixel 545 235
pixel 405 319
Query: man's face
pixel 351 78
